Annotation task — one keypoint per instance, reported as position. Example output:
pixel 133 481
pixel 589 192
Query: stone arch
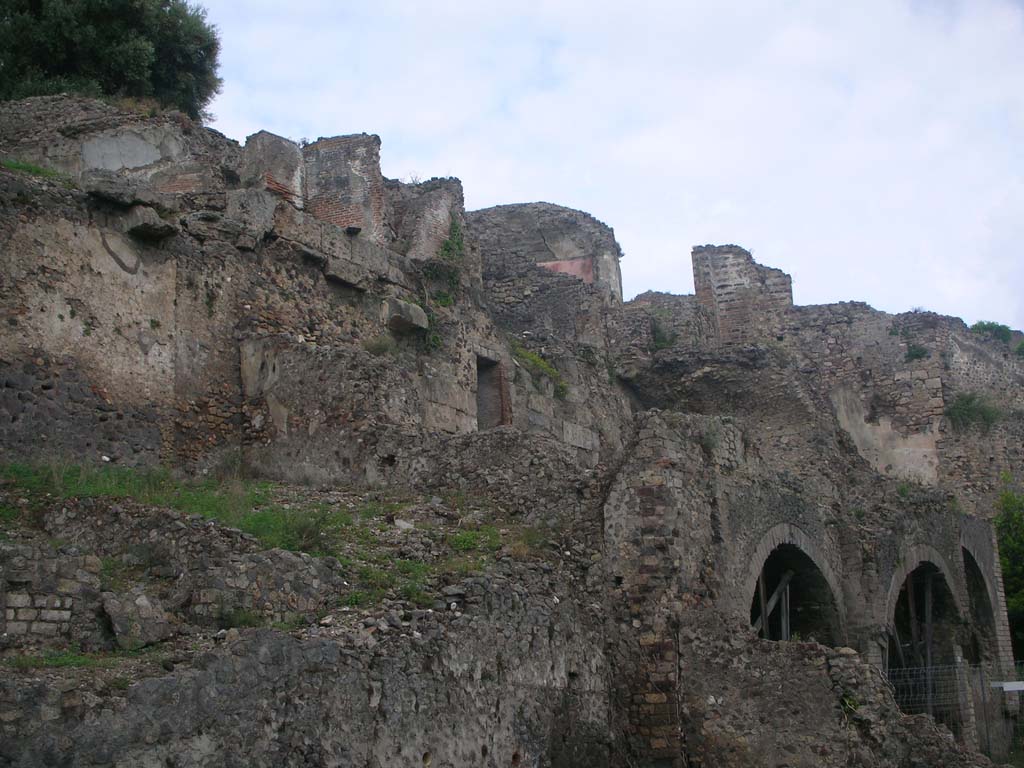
pixel 914 556
pixel 970 545
pixel 788 535
pixel 924 612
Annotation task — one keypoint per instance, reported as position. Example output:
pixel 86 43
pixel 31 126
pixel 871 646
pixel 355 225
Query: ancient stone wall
pixel 745 299
pixel 344 185
pixel 558 239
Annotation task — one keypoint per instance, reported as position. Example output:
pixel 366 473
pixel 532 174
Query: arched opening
pixel 923 647
pixel 982 644
pixel 794 596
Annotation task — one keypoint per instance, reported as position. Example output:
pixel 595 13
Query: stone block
pixel 143 222
pixel 136 619
pixel 55 615
pixel 402 316
pixel 43 628
pixel 17 628
pixel 18 600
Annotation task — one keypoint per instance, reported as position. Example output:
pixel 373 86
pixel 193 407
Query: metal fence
pixel 978 702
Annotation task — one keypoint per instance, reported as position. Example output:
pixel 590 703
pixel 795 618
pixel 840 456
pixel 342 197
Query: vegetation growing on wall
pixel 915 352
pixel 662 337
pixel 162 50
pixel 453 249
pixel 1010 531
pixel 538 366
pixel 970 409
pixel 993 330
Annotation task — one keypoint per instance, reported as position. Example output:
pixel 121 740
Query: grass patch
pixel 72 659
pixel 209 498
pixel 486 538
pixel 538 366
pixel 970 409
pixel 31 169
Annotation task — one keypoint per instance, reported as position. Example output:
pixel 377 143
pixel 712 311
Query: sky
pixel 873 150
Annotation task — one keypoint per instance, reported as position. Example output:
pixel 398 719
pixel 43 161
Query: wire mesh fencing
pixel 980 703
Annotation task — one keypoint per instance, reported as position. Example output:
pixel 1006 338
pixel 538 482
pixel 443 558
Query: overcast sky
pixel 874 150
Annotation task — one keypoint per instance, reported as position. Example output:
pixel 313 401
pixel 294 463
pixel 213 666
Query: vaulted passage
pixel 922 647
pixel 796 598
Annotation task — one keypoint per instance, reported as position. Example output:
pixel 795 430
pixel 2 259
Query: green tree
pixel 1010 530
pixel 157 49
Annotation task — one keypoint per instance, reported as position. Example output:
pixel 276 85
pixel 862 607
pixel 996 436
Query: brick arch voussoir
pixel 983 564
pixel 786 533
pixel 913 556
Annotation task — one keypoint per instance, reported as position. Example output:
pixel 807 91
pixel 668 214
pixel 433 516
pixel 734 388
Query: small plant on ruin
pixel 662 338
pixel 538 366
pixel 380 345
pixel 915 352
pixel 240 617
pixel 453 249
pixel 485 538
pixel 443 299
pixel 1020 349
pixel 993 330
pixel 31 169
pixel 970 409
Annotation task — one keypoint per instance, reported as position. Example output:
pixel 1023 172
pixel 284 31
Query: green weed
pixel 538 366
pixel 970 409
pixel 32 169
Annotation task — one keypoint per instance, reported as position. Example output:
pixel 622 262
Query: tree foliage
pixel 151 49
pixel 1010 530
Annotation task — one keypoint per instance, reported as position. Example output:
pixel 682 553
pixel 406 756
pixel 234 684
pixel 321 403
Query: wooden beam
pixel 915 639
pixel 785 613
pixel 762 620
pixel 767 608
pixel 895 635
pixel 930 683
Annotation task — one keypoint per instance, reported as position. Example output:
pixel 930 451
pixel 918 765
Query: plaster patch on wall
pixel 912 457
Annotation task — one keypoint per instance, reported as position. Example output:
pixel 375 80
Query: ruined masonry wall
pixel 745 298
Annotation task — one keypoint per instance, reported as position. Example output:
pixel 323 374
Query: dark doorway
pixel 489 397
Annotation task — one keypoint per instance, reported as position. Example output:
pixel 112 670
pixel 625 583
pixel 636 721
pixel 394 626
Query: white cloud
pixel 870 149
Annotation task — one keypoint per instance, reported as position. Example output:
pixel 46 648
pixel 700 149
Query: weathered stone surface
pixel 403 316
pixel 136 619
pixel 146 224
pixel 674 447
